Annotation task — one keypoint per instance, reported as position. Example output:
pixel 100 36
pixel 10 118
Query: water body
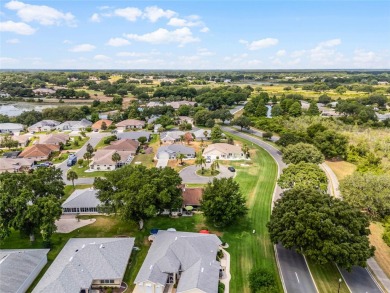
pixel 269 114
pixel 16 109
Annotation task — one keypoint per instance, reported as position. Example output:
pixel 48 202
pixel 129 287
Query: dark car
pixel 231 169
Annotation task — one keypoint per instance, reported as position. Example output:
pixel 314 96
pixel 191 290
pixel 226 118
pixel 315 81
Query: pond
pixel 16 109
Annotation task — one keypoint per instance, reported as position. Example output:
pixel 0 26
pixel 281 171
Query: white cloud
pixel 329 43
pixel 66 42
pixel 129 13
pixel 82 48
pixel 324 55
pixel 297 53
pixel 363 58
pixel 7 61
pixel 118 42
pixel 295 61
pixel 138 54
pixel 183 22
pixel 101 58
pixel 260 44
pixel 95 17
pixel 42 14
pixel 20 28
pixel 13 41
pixel 163 36
pixel 205 52
pixel 154 13
pixel 281 53
pixel 205 30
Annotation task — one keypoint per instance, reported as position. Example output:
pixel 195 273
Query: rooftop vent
pixel 202 270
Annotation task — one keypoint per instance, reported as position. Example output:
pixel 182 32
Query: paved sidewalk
pixel 379 274
pixel 226 280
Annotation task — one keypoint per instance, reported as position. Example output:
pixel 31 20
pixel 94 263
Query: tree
pixel 288 138
pixel 324 99
pixel 262 280
pixel 368 192
pixel 341 90
pixel 72 176
pixel 313 129
pixel 216 133
pixel 142 140
pixel 200 161
pixel 7 142
pixel 138 193
pixel 276 111
pixel 214 166
pixel 222 202
pixel 295 109
pixel 303 175
pixel 243 122
pixel 313 109
pixel 331 144
pixel 87 156
pixel 30 202
pixel 116 158
pixel 302 152
pixel 90 148
pixel 104 126
pixel 245 150
pixel 180 157
pixel 322 227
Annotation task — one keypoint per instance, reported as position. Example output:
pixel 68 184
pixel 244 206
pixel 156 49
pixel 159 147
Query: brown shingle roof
pixel 192 196
pixel 39 150
pixel 123 145
pixel 98 124
pixel 54 138
pixel 130 122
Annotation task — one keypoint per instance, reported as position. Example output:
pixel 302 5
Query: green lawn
pixel 76 144
pixel 81 171
pixel 69 189
pixel 101 143
pixel 60 158
pixel 327 277
pixel 146 160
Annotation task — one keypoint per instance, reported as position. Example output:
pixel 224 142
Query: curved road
pixel 294 272
pixel 188 174
pixel 359 280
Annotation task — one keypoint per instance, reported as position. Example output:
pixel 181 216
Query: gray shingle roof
pixel 82 198
pixel 192 253
pixel 16 265
pixel 83 260
pixel 134 135
pixel 176 149
pixel 171 135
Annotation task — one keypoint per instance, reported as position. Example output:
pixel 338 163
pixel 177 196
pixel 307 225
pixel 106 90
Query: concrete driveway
pixel 188 175
pixel 162 163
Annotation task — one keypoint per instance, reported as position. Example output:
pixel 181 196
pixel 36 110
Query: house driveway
pixel 188 175
pixel 162 163
pixel 69 223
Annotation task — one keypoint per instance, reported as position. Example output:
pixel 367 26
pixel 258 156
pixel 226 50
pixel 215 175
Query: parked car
pixel 208 160
pixel 72 160
pixel 231 169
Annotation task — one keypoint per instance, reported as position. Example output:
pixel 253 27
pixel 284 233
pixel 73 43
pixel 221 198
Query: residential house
pixel 156 128
pixel 98 124
pixel 11 154
pixel 54 138
pixel 176 104
pixel 185 119
pixel 39 152
pixel 153 119
pixel 382 117
pixel 183 260
pixel 223 151
pixel 173 150
pixel 87 264
pixel 126 148
pixel 154 104
pixel 12 128
pixel 20 267
pixel 192 196
pixel 22 140
pixel 74 125
pixel 171 136
pixel 44 125
pixel 12 165
pixel 134 135
pixel 81 201
pixel 202 134
pixel 130 124
pixel 44 92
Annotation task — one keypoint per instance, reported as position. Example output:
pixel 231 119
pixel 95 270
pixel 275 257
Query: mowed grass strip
pixel 257 180
pixel 327 277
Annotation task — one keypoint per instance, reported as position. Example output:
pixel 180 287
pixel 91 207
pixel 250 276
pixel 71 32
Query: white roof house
pixel 20 267
pixel 74 125
pixel 83 201
pixel 15 164
pixel 171 151
pixel 11 128
pixel 44 125
pixel 87 262
pixel 171 136
pixel 200 134
pixel 223 151
pixel 188 258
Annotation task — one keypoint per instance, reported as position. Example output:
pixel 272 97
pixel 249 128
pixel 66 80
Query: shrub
pixel 267 135
pixel 386 234
pixel 262 280
pixel 221 287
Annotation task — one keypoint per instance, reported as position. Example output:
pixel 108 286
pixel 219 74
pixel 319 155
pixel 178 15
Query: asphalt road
pixel 188 175
pixel 360 281
pixel 295 273
pixel 95 137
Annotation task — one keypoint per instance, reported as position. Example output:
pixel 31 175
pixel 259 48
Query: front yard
pixel 81 171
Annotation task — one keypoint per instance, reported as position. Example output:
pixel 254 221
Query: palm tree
pixel 245 150
pixel 200 161
pixel 116 158
pixel 72 176
pixel 180 157
pixel 214 166
pixel 89 148
pixel 206 134
pixel 87 156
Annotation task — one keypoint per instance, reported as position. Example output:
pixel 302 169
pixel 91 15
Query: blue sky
pixel 194 34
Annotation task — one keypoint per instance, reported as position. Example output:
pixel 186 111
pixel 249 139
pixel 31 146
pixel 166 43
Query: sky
pixel 201 34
